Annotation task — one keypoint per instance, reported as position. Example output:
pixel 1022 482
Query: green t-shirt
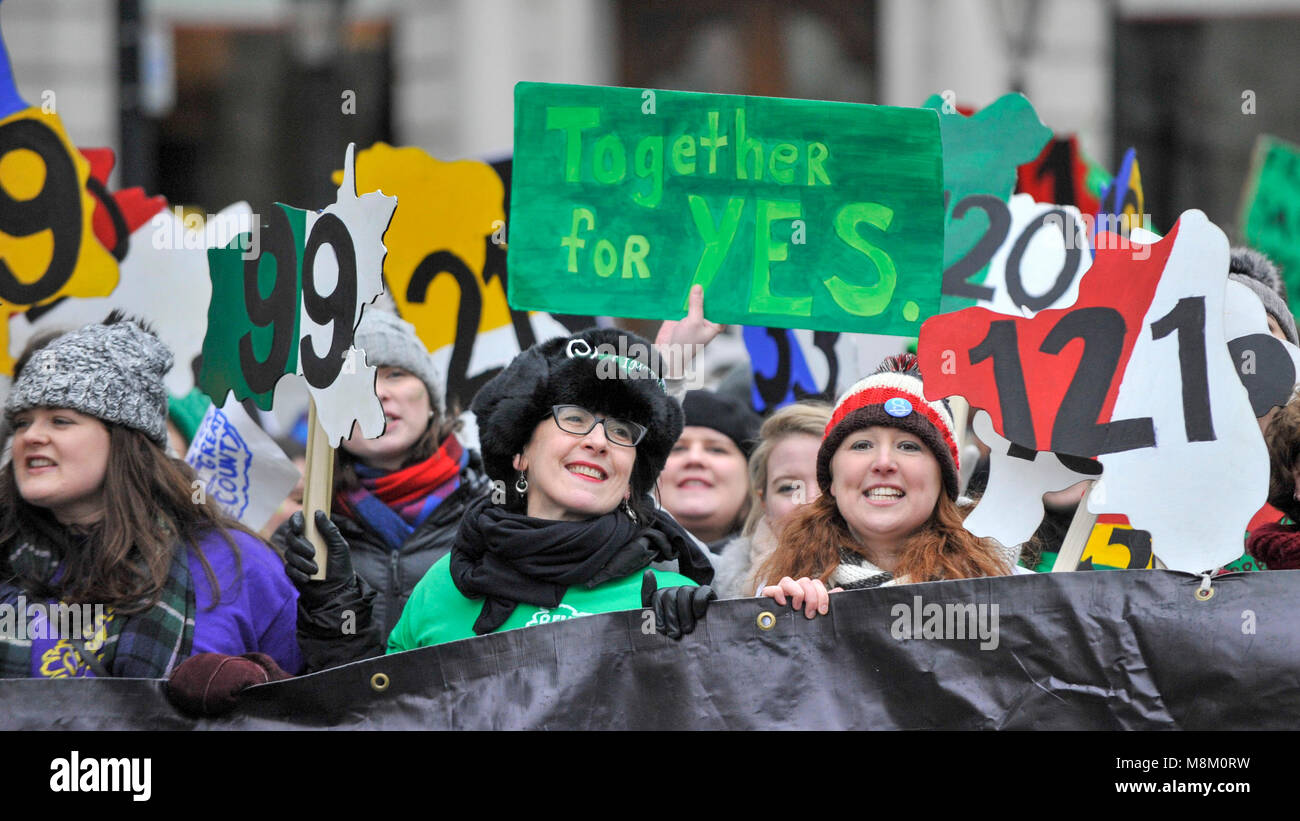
pixel 437 612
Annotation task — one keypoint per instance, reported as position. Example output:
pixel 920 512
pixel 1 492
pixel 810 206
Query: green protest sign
pixel 980 156
pixel 1270 212
pixel 790 213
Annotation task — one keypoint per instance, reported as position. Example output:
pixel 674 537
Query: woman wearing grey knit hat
pixel 98 522
pixel 398 500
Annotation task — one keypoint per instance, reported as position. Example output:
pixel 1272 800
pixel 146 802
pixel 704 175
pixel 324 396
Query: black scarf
pixel 509 558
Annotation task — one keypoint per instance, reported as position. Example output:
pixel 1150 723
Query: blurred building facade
pixel 249 99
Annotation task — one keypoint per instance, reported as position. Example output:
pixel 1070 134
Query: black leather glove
pixel 300 559
pixel 677 609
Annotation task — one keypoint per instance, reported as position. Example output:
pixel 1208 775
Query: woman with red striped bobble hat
pixel 887 468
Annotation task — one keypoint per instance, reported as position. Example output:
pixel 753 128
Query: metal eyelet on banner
pixel 379 682
pixel 1205 592
pixel 766 620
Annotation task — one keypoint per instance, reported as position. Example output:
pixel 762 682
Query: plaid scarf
pixel 148 644
pixel 395 504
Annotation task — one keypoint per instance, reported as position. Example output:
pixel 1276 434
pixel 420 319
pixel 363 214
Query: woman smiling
pixel 575 437
pixel 705 483
pixel 887 468
pixel 398 500
pixel 93 512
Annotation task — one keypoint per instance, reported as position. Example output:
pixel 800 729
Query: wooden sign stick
pixel 1076 538
pixel 317 484
pixel 960 412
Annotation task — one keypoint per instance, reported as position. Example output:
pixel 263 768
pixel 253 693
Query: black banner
pixel 1100 650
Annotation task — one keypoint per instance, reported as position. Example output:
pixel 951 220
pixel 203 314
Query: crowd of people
pixel 597 485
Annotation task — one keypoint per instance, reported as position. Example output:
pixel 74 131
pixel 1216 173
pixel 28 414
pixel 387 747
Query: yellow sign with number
pixel 48 247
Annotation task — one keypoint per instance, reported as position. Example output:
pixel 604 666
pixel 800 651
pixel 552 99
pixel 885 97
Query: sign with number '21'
pixel 1137 373
pixel 293 308
pixel 790 213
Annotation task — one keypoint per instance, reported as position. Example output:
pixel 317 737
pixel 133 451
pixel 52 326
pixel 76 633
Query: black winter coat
pixel 386 578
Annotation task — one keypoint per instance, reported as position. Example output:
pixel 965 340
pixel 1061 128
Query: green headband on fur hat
pixel 592 369
pixel 112 371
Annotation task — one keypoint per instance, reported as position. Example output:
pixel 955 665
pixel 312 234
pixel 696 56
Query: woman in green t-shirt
pixel 574 433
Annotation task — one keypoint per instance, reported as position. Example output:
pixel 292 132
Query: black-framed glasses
pixel 578 420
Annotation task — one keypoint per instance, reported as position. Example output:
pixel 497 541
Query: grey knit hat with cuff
pixel 111 370
pixel 388 340
pixel 1258 273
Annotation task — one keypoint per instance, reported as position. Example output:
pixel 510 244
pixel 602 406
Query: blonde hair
pixel 809 418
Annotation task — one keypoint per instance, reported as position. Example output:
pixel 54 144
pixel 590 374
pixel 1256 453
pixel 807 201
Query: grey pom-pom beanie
pixel 388 340
pixel 1257 272
pixel 111 370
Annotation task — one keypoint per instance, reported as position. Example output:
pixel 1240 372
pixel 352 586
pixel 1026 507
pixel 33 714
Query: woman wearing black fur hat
pixel 398 501
pixel 574 433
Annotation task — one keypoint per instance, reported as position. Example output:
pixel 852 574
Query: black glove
pixel 300 559
pixel 677 609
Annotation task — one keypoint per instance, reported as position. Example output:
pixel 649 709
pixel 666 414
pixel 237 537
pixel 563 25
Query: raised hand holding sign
pixel 273 314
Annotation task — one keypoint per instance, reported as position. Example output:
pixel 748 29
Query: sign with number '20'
pixel 294 307
pixel 1137 373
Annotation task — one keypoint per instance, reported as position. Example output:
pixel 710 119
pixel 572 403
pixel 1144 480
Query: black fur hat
pixel 606 371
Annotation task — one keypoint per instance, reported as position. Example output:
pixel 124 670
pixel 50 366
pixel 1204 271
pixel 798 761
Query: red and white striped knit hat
pixel 892 397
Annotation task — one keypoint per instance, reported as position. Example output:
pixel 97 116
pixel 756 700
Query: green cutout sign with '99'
pixel 790 213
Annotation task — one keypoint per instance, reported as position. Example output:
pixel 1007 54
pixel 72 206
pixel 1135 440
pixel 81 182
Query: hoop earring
pixel 522 485
pixel 631 514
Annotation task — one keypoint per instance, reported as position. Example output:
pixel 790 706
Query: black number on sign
pixel 1138 543
pixel 772 389
pixel 459 386
pixel 1001 344
pixel 956 277
pixel 57 208
pixel 1021 452
pixel 1016 286
pixel 494 267
pixel 1076 429
pixel 1188 318
pixel 1058 166
pixel 338 307
pixel 277 309
pixel 121 234
pixel 1080 464
pixel 823 341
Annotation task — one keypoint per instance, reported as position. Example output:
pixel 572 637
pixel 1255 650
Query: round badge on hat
pixel 898 407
